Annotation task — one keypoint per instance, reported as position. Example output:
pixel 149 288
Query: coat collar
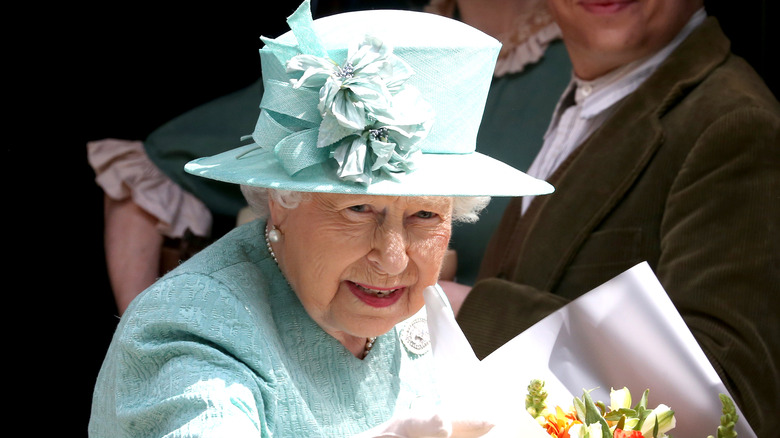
pixel 594 179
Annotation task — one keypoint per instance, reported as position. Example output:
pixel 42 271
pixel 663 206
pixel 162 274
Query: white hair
pixel 464 208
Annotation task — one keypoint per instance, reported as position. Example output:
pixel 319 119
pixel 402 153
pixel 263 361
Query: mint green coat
pixel 222 347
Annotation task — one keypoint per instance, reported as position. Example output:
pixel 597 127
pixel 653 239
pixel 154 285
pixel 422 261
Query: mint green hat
pixel 378 102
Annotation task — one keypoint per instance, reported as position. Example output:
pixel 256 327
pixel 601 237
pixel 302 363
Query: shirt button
pixel 585 90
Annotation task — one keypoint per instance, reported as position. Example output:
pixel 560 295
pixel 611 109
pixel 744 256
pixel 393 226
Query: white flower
pixel 619 398
pixel 666 421
pixel 364 85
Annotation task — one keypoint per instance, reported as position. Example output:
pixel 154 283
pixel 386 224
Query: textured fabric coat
pixel 222 347
pixel 686 176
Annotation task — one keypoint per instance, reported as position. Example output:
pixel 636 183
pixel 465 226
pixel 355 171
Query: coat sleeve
pixel 179 364
pixel 720 246
pixel 513 308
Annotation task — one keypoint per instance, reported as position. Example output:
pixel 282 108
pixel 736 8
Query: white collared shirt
pixel 585 105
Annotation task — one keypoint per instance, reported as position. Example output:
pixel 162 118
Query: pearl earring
pixel 274 235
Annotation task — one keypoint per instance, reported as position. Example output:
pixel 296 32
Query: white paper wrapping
pixel 625 332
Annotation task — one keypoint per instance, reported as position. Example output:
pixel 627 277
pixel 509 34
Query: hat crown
pixel 450 64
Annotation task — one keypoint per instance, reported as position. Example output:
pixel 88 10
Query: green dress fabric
pixel 206 130
pixel 222 346
pixel 518 110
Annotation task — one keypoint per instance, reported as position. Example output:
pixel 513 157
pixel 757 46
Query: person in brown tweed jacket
pixel 683 172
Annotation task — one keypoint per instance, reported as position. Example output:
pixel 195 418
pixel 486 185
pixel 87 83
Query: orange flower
pixel 559 423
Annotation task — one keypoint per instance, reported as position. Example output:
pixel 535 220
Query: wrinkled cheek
pixel 313 283
pixel 437 247
pixel 430 255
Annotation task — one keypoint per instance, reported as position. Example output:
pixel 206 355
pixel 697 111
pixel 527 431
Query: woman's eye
pixel 422 214
pixel 359 208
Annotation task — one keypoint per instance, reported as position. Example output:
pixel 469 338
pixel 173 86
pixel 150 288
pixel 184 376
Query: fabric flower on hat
pixel 372 121
pixel 364 84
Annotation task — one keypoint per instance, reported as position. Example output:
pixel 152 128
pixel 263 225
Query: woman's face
pixel 359 264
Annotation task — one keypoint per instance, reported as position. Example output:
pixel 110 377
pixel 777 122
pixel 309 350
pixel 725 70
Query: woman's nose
pixel 389 252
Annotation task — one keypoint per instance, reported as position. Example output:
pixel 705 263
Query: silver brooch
pixel 415 336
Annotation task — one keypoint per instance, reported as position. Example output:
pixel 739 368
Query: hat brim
pixel 471 174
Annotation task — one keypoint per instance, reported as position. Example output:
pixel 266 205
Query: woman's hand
pixel 427 424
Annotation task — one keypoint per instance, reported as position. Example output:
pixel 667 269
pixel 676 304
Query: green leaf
pixel 643 400
pixel 593 415
pixel 641 410
pixel 602 407
pixel 641 415
pixel 655 428
pixel 622 412
pixel 621 424
pixel 579 407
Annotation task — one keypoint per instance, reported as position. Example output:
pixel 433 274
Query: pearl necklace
pixel 369 341
pixel 369 344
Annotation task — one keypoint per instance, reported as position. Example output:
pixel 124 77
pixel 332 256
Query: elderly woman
pixel 310 321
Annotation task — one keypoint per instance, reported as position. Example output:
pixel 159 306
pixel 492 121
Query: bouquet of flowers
pixel 566 352
pixel 589 419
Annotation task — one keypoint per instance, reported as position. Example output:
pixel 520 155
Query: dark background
pixel 121 71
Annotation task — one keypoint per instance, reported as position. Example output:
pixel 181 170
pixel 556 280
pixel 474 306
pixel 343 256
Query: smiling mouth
pixel 380 293
pixel 606 6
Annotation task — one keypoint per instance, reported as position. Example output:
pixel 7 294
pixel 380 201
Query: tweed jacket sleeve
pixel 685 176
